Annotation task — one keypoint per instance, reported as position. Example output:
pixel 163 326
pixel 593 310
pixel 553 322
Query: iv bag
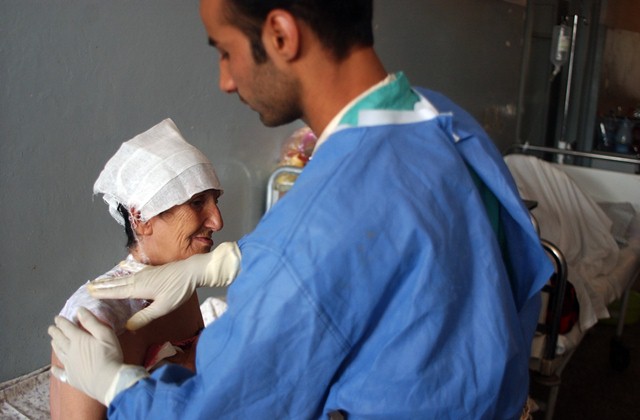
pixel 560 45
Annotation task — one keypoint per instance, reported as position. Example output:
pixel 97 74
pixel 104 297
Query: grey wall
pixel 79 77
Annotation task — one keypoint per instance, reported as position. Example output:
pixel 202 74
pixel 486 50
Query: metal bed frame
pixel 273 195
pixel 606 156
pixel 549 375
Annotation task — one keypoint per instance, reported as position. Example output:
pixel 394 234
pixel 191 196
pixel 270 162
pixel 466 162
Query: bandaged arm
pixel 171 284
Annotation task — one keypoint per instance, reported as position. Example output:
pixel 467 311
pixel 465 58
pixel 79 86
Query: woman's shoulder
pixel 82 298
pixel 113 312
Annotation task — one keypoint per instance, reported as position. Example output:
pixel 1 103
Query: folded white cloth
pixel 212 308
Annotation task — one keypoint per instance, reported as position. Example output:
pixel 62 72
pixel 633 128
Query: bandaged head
pixel 153 172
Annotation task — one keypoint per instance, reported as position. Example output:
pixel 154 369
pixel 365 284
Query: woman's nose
pixel 213 217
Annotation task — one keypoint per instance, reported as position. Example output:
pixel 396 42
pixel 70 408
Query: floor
pixel 591 388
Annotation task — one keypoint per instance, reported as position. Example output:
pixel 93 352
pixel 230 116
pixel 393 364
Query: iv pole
pixel 562 143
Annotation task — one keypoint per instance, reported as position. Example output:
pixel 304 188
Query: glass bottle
pixel 623 137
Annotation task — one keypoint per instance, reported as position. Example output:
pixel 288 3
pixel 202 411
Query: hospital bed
pixel 589 223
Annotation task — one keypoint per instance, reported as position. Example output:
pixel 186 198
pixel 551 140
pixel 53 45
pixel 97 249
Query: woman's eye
pixel 197 203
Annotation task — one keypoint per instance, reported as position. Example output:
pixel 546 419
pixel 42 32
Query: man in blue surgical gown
pixel 399 278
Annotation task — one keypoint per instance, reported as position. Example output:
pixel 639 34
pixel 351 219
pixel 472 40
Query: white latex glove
pixel 92 359
pixel 171 284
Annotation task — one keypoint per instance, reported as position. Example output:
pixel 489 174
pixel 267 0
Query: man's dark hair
pixel 339 24
pixel 131 237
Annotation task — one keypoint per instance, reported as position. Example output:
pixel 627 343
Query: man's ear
pixel 281 35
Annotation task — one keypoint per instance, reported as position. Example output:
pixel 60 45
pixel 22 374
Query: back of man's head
pixel 339 24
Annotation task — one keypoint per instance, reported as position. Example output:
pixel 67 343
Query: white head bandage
pixel 153 172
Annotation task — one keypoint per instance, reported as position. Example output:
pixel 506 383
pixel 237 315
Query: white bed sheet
pixel 612 286
pixel 609 288
pixel 569 216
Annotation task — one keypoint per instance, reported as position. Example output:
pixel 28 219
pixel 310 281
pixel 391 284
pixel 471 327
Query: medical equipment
pixel 277 185
pixel 560 47
pixel 574 200
pixel 295 154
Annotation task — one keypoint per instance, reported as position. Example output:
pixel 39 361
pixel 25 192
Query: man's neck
pixel 331 85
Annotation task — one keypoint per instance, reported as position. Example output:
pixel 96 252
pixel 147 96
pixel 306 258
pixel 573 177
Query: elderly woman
pixel 165 193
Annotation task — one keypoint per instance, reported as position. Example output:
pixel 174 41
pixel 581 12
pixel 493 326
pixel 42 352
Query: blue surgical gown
pixel 377 286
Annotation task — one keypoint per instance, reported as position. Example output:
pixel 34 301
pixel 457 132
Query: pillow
pixel 621 215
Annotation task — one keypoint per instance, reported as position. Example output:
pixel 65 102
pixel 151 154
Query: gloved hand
pixel 171 284
pixel 92 359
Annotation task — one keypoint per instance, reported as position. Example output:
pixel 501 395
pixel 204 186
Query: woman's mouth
pixel 204 240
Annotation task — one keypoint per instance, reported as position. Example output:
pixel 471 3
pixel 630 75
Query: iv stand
pixel 562 143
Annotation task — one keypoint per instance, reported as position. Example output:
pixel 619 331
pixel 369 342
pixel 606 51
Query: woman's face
pixel 182 231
